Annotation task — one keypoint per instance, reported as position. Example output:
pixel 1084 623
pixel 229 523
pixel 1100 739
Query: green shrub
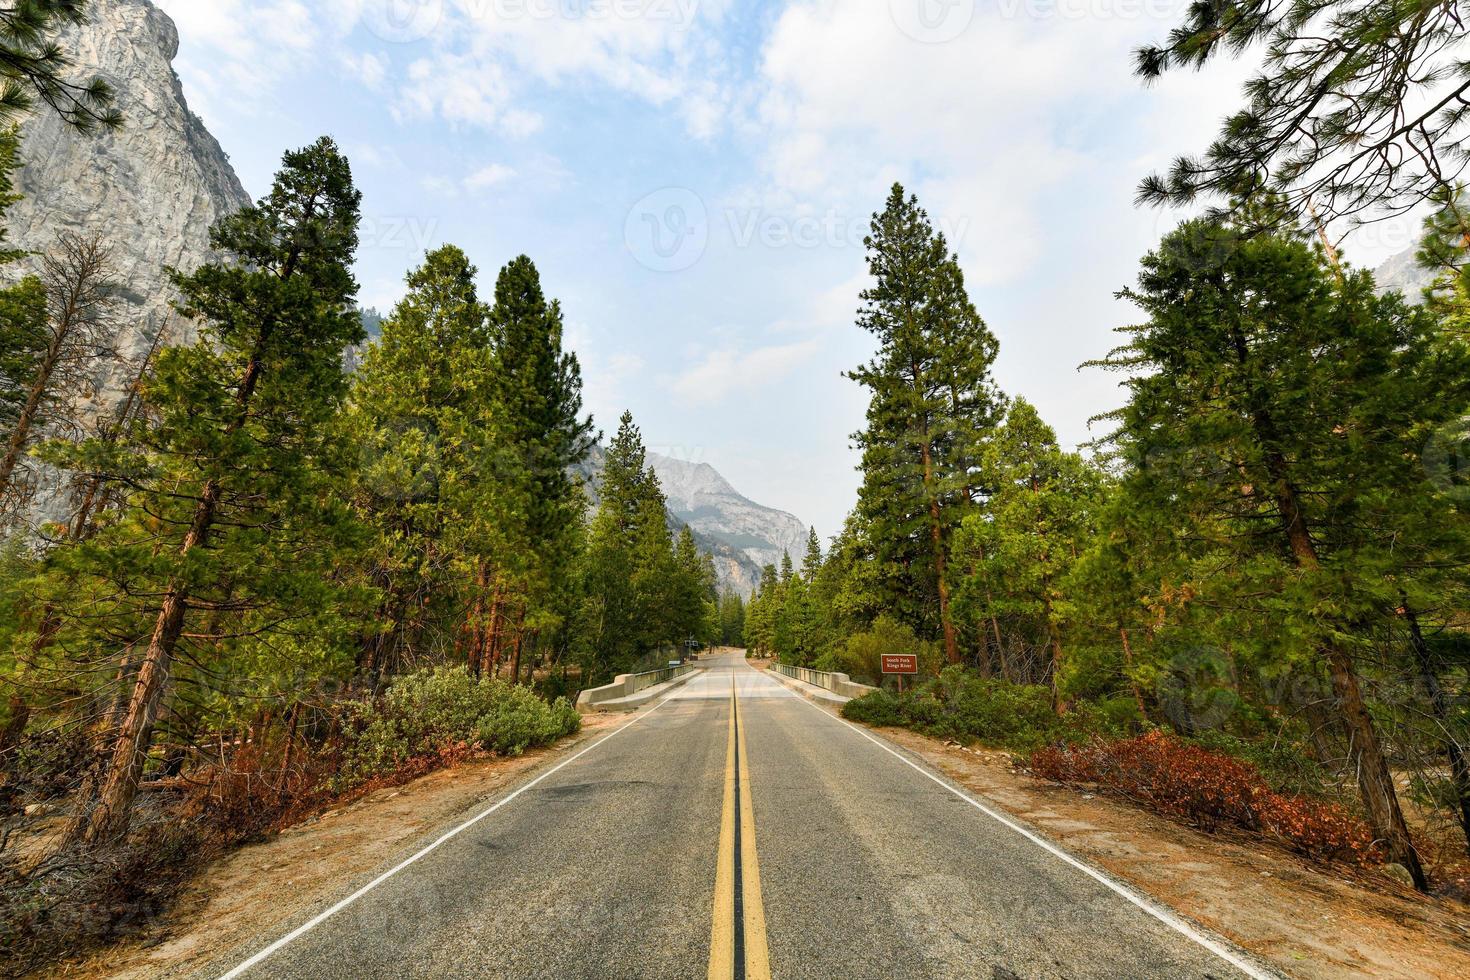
pixel 880 708
pixel 424 713
pixel 966 707
pixel 523 721
pixel 862 656
pixel 961 705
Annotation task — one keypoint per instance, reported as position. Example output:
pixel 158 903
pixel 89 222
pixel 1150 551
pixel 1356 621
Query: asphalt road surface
pixel 734 829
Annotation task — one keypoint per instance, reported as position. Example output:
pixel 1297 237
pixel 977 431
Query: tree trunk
pixel 93 498
pixel 40 386
pixel 936 528
pixel 288 754
pixel 99 738
pixel 1375 780
pixel 110 819
pixel 1128 671
pixel 515 663
pixel 1459 771
pixel 1365 753
pixel 470 635
pixel 535 648
pixel 15 727
pixel 1054 643
pixel 490 636
pixel 1322 729
pixel 75 276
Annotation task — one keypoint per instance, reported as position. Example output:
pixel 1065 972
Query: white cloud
pixel 439 184
pixel 489 57
pixel 723 372
pixel 487 177
pixel 368 68
pixel 235 50
pixel 976 125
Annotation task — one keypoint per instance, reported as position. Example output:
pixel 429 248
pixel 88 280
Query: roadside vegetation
pixel 1263 558
pixel 1252 586
pixel 286 564
pixel 282 563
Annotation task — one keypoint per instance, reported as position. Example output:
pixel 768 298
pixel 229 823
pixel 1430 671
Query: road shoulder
pixel 1303 920
pixel 262 889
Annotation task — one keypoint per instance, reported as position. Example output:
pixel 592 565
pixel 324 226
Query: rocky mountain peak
pixel 153 188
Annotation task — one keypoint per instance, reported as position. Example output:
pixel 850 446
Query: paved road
pixel 851 861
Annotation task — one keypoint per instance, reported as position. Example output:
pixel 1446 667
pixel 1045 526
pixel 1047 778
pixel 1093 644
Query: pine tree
pixel 81 302
pixel 688 609
pixel 34 67
pixel 761 614
pixel 1348 115
pixel 22 306
pixel 1277 419
pixel 241 418
pixel 732 619
pixel 629 571
pixel 812 563
pixel 932 404
pixel 1021 545
pixel 537 392
pixel 434 478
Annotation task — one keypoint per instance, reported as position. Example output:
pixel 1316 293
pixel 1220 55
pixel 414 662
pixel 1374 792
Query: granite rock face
pixel 1404 273
pixel 152 189
pixel 700 497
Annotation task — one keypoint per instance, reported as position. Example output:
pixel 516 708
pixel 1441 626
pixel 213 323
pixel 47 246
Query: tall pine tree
pixel 932 403
pixel 241 418
pixel 1278 416
pixel 537 393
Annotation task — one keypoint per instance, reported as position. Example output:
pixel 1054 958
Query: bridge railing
pixel 833 681
pixel 626 685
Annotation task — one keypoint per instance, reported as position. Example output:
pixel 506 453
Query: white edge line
pixel 1147 905
pixel 311 924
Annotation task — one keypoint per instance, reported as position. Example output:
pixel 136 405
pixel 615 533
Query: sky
pixel 694 179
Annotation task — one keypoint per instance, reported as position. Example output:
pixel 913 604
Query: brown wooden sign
pixel 900 663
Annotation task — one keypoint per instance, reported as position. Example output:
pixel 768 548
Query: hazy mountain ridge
pixel 737 570
pixel 706 501
pixel 1404 273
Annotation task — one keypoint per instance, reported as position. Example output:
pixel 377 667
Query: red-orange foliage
pixel 252 797
pixel 1209 790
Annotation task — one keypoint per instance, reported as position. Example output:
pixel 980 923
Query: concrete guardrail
pixel 834 682
pixel 627 685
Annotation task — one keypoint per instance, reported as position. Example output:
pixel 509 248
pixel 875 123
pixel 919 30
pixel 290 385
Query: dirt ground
pixel 259 888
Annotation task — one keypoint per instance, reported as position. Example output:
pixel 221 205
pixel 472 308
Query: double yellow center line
pixel 737 947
